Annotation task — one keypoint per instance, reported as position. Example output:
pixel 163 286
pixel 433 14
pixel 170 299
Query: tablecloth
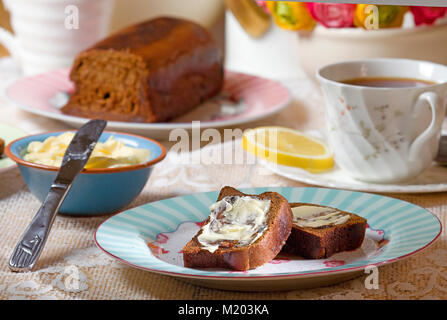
pixel 72 267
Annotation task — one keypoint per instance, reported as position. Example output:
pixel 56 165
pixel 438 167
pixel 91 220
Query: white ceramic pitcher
pixel 49 33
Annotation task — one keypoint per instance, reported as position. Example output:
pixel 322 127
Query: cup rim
pixel 323 79
pixel 30 164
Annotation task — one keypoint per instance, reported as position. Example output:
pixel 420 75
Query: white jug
pixel 49 33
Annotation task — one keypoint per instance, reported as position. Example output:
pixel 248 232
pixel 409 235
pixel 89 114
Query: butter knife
pixel 33 240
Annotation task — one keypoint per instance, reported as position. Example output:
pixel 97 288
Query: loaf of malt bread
pixel 150 72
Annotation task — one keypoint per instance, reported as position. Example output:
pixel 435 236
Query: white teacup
pixel 49 33
pixel 384 134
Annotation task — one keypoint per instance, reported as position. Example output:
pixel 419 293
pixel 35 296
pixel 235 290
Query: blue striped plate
pixel 151 237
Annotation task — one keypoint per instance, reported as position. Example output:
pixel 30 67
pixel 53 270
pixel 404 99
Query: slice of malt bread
pixel 322 242
pixel 255 254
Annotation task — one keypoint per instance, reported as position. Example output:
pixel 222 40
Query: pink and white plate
pixel 245 98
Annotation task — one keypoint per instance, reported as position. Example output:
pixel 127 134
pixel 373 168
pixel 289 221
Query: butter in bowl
pixel 115 174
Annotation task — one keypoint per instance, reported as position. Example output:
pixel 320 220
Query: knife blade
pixel 76 156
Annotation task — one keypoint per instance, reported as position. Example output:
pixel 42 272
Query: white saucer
pixel 433 179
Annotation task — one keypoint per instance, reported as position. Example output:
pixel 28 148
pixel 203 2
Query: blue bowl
pixel 94 191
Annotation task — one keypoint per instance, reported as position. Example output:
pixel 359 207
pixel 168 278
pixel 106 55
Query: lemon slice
pixel 288 147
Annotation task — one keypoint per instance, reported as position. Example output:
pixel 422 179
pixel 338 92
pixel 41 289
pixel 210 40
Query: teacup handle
pixel 435 126
pixel 8 40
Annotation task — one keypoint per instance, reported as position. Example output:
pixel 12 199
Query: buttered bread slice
pixel 242 232
pixel 319 232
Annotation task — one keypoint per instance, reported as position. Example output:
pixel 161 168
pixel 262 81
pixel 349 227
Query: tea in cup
pixel 384 116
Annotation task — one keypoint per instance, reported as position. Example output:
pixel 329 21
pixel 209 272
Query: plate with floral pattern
pixel 151 237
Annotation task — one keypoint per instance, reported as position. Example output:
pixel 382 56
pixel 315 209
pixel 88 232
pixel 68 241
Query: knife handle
pixel 33 240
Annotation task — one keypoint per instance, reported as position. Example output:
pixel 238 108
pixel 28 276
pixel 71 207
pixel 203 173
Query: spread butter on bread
pixel 319 232
pixel 242 232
